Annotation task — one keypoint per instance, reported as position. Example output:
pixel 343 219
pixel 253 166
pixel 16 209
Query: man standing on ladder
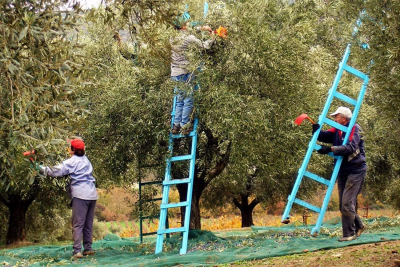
pixel 181 74
pixel 352 171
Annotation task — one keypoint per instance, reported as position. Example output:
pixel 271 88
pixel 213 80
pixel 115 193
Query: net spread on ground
pixel 204 247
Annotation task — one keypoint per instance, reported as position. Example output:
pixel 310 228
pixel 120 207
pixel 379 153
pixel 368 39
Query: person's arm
pixel 352 146
pixel 205 45
pixel 204 28
pixel 59 170
pixel 327 136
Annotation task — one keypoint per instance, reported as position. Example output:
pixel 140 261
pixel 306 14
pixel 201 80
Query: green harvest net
pixel 205 248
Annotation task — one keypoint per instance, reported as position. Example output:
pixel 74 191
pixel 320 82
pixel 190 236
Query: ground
pixel 375 254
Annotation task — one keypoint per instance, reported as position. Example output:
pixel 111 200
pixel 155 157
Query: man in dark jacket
pixel 352 171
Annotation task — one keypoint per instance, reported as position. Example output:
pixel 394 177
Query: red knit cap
pixel 77 143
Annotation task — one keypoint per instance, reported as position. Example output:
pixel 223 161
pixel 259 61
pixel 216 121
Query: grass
pixel 224 222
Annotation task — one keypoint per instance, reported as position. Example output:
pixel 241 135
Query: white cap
pixel 344 111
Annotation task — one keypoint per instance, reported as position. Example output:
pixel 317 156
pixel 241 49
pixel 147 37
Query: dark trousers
pixel 349 187
pixel 82 223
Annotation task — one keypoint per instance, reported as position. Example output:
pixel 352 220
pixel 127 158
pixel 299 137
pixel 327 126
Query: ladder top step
pixel 355 72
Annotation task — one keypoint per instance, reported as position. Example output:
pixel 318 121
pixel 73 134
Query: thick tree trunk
pixel 16 225
pixel 246 209
pixel 195 218
pixel 247 216
pixel 247 212
pixel 202 177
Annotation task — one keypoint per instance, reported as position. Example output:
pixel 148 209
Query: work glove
pixel 324 150
pixel 315 127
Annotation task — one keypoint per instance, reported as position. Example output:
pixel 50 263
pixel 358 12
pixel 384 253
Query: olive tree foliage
pixel 39 72
pixel 380 29
pixel 130 99
pixel 280 62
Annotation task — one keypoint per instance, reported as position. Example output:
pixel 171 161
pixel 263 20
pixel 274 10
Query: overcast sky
pixel 90 3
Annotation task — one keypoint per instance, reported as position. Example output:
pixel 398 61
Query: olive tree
pixel 39 108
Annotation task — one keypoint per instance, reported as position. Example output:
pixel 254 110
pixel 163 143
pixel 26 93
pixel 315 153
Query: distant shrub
pixel 99 230
pixel 115 228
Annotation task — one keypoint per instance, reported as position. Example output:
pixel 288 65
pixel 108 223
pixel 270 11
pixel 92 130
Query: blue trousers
pixel 184 98
pixel 82 223
pixel 349 186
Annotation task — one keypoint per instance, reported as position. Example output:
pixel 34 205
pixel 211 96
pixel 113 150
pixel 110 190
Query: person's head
pixel 77 147
pixel 342 115
pixel 182 22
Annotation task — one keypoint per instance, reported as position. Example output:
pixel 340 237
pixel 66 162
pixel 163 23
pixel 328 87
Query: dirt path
pixel 375 254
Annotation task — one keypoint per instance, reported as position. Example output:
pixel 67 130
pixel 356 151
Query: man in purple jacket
pixel 83 195
pixel 352 172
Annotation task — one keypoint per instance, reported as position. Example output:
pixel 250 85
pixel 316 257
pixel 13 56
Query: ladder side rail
pixel 333 89
pixel 327 197
pixel 190 190
pixel 140 205
pixel 299 178
pixel 162 222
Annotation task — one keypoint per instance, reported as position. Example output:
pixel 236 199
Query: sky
pixel 90 3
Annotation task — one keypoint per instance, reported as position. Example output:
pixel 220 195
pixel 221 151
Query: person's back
pixel 180 46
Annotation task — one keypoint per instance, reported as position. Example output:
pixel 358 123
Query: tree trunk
pixel 247 216
pixel 16 224
pixel 247 212
pixel 202 177
pixel 246 209
pixel 195 218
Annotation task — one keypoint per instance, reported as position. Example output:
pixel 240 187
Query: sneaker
pixel 348 238
pixel 77 255
pixel 361 230
pixel 88 252
pixel 176 129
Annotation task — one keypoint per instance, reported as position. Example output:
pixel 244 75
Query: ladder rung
pixel 150 217
pixel 151 200
pixel 177 181
pixel 355 72
pixel 174 136
pixel 306 205
pixel 150 233
pixel 171 230
pixel 174 205
pixel 152 182
pixel 335 124
pixel 317 178
pixel 179 158
pixel 345 98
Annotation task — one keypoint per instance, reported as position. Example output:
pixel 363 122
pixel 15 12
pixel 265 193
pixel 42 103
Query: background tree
pixel 39 71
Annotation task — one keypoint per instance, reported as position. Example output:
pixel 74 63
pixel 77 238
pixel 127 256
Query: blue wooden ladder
pixel 168 181
pixel 314 146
